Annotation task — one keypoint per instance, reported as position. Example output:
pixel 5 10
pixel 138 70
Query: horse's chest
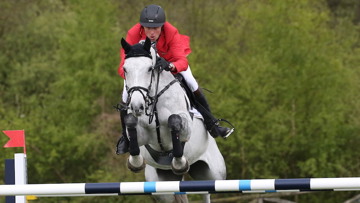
pixel 151 134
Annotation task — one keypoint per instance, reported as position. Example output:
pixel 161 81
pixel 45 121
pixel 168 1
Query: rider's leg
pixel 211 123
pixel 122 145
pixel 189 79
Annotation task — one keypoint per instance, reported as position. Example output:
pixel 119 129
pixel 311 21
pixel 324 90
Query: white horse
pixel 164 136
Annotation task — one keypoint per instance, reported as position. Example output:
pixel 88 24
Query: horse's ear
pixel 126 46
pixel 147 44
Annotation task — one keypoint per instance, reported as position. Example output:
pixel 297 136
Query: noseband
pixel 145 92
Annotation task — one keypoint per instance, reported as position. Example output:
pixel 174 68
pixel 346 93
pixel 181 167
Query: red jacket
pixel 172 46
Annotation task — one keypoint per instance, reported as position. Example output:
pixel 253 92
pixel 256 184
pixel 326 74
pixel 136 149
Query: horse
pixel 164 136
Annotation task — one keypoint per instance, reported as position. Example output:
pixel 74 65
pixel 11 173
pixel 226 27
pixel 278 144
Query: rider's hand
pixel 162 63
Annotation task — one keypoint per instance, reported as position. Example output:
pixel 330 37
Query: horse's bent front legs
pixel 179 164
pixel 135 161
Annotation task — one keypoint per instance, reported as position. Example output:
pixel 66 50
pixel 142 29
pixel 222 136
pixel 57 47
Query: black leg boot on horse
pixel 211 123
pixel 122 145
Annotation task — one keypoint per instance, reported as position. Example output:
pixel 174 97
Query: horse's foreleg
pixel 179 164
pixel 135 162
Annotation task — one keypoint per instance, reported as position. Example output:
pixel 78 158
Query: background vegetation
pixel 285 73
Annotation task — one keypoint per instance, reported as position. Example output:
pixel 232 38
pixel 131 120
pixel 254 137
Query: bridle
pixel 150 101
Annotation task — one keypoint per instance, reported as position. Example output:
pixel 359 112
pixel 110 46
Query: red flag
pixel 17 138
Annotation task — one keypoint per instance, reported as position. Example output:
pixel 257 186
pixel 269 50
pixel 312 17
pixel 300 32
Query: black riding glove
pixel 162 63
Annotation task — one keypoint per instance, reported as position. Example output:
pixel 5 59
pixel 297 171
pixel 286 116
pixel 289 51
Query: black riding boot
pixel 211 123
pixel 122 145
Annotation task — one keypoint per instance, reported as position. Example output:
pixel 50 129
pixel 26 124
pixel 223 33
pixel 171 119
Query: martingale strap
pixel 156 114
pixel 158 129
pixel 167 87
pixel 155 98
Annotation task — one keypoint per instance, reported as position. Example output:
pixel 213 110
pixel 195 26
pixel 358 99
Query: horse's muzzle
pixel 137 110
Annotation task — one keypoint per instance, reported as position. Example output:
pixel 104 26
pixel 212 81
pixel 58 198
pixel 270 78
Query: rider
pixel 173 48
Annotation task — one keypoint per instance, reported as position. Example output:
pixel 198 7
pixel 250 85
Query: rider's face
pixel 152 33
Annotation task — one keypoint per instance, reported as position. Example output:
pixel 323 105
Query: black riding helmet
pixel 152 16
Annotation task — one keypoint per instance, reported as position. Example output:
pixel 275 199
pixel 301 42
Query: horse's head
pixel 139 63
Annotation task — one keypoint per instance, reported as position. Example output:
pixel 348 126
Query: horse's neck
pixel 166 85
pixel 165 78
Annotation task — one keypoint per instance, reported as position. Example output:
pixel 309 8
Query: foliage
pixel 285 73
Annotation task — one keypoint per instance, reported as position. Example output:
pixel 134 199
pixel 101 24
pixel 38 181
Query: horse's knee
pixel 130 121
pixel 174 122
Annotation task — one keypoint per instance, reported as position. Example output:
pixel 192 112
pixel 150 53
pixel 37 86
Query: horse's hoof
pixel 181 171
pixel 133 168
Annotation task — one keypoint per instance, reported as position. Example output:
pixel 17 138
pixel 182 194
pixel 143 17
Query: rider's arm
pixel 177 54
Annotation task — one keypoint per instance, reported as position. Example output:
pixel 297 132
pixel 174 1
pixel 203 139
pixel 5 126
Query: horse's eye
pixel 124 69
pixel 150 68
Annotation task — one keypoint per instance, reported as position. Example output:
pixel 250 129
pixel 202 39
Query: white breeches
pixel 188 77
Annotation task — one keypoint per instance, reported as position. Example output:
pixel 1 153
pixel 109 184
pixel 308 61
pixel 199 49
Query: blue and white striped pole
pixel 185 187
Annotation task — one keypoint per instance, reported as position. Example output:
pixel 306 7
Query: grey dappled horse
pixel 163 134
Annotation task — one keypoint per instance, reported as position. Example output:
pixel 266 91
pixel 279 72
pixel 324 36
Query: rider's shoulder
pixel 170 31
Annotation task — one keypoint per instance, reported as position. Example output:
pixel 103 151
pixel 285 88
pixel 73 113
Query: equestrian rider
pixel 173 48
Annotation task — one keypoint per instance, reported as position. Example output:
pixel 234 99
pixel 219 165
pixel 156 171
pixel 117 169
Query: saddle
pixel 199 109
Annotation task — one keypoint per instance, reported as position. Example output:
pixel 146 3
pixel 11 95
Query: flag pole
pixel 24 143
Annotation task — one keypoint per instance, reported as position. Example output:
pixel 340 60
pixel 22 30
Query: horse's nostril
pixel 137 109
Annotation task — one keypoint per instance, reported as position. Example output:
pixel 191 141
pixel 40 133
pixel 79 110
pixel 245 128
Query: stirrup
pixel 216 130
pixel 219 131
pixel 231 130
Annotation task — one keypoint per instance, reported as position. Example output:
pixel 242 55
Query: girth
pixel 163 158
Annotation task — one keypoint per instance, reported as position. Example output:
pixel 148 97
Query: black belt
pixel 163 158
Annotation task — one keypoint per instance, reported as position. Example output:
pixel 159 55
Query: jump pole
pixel 185 187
